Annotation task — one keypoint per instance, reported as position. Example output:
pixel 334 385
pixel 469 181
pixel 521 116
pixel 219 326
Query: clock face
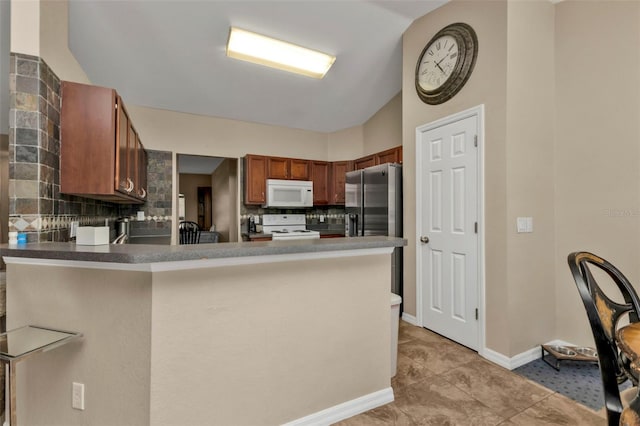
pixel 446 63
pixel 438 63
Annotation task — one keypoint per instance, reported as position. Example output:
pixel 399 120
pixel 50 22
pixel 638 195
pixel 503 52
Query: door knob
pixel 424 240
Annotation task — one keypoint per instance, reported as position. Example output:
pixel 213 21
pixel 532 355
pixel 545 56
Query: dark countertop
pixel 146 253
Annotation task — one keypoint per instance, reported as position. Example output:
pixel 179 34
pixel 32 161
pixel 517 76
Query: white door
pixel 447 252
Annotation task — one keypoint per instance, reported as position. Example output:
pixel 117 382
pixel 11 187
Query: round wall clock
pixel 446 63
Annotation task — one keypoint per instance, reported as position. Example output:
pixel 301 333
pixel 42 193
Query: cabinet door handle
pixel 143 193
pixel 130 186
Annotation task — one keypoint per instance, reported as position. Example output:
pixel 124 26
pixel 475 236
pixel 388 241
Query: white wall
pixel 530 173
pixel 597 147
pixel 347 144
pixel 220 137
pixel 561 145
pixel 54 41
pixel 25 27
pixel 384 129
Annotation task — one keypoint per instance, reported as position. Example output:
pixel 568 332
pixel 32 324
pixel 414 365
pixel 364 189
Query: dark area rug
pixel 579 381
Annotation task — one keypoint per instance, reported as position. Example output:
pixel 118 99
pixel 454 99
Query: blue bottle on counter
pixel 22 238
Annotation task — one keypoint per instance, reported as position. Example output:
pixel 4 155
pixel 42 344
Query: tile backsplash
pixel 333 216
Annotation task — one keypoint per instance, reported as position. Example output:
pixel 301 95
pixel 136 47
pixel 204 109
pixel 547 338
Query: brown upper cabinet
pixel 393 155
pixel 364 162
pixel 288 168
pixel 339 170
pixel 101 155
pixel 328 177
pixel 255 179
pixel 320 175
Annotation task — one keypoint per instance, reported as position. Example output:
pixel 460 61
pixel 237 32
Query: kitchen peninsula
pixel 258 333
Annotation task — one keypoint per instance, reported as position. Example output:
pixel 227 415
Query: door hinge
pixel 476 314
pixel 475 227
pixel 475 140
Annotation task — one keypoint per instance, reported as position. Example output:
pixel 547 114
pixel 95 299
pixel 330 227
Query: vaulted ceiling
pixel 171 55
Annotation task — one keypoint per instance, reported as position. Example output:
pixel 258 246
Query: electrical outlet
pixel 77 396
pixel 524 224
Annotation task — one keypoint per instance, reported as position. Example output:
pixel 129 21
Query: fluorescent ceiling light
pixel 263 50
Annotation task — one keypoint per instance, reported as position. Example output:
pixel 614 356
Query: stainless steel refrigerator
pixel 373 206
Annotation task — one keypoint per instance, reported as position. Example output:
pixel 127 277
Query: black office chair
pixel 189 232
pixel 604 314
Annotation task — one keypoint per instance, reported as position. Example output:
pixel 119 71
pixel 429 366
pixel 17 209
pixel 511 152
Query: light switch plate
pixel 77 396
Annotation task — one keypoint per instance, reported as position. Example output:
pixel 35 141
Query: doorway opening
pixel 208 189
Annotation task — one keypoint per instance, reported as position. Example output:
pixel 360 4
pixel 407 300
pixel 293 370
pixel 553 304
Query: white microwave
pixel 289 193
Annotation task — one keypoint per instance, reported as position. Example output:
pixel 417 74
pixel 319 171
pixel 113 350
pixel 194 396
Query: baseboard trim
pixel 346 409
pixel 520 359
pixel 496 358
pixel 409 318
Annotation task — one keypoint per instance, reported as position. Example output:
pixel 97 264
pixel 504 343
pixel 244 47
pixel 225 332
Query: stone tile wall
pixel 35 203
pixel 158 206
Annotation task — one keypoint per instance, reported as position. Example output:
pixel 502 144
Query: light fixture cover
pixel 264 50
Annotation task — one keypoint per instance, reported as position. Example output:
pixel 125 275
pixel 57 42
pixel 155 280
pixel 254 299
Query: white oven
pixel 289 193
pixel 287 227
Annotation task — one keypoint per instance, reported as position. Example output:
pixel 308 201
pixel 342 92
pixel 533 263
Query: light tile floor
pixel 442 383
